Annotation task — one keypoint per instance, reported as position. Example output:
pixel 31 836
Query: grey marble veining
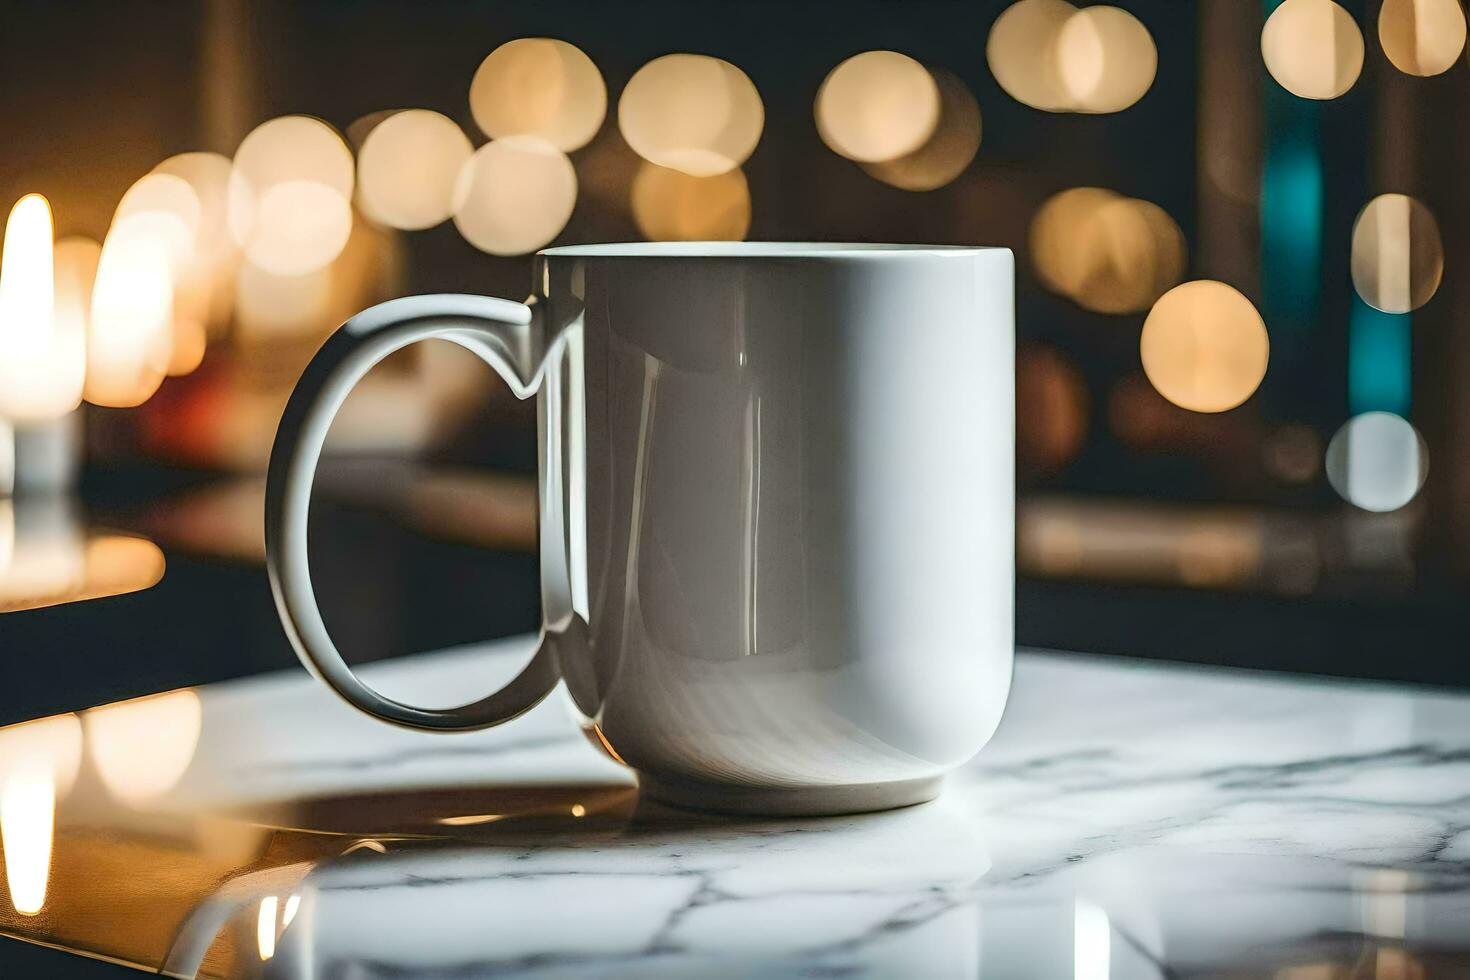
pixel 1129 820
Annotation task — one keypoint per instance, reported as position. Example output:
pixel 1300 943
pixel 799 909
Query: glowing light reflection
pixel 142 747
pixel 27 821
pixel 1091 942
pixel 265 927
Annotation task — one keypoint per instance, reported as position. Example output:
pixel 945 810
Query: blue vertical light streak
pixel 1379 367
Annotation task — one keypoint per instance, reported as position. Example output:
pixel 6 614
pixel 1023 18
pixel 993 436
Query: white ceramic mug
pixel 776 509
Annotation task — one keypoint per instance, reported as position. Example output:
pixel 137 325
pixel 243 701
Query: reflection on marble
pixel 1129 820
pixel 47 556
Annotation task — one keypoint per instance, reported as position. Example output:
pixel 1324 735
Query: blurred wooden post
pixel 229 70
pixel 1228 230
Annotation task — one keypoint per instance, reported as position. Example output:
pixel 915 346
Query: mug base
pixel 787 801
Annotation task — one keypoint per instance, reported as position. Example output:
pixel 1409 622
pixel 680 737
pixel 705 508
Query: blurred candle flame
pixel 41 357
pixel 129 340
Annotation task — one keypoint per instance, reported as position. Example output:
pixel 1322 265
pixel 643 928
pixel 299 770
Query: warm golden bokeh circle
pixel 165 208
pixel 692 113
pixel 514 195
pixel 1313 48
pixel 669 205
pixel 877 106
pixel 947 151
pixel 1021 51
pixel 299 227
pixel 539 86
pixel 1397 255
pixel 281 206
pixel 1108 253
pixel 1105 59
pixel 1204 346
pixel 1422 37
pixel 408 167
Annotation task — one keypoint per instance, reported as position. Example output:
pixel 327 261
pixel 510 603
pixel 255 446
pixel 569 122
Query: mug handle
pixel 497 330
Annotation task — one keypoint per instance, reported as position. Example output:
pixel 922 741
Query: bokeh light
pixel 281 208
pixel 877 106
pixel 1022 48
pixel 165 208
pixel 129 330
pixel 1108 253
pixel 76 259
pixel 539 86
pixel 1053 422
pixel 670 206
pixel 1313 48
pixel 204 288
pixel 41 353
pixel 514 195
pixel 141 748
pixel 1377 461
pixel 407 169
pixel 1106 59
pixel 693 113
pixel 947 151
pixel 300 226
pixel 1422 37
pixel 271 309
pixel 1397 255
pixel 1204 346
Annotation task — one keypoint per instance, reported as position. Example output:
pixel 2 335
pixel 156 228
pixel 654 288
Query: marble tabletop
pixel 1129 820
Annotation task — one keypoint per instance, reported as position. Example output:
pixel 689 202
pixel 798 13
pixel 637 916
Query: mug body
pixel 788 476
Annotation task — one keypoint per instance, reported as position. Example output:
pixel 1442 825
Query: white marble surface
pixel 1129 820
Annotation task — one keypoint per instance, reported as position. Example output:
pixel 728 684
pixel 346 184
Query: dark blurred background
pixel 1173 501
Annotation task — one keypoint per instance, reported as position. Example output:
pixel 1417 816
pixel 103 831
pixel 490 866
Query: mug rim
pixel 752 250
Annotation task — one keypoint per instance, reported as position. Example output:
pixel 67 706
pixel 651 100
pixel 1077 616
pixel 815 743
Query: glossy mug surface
pixel 776 494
